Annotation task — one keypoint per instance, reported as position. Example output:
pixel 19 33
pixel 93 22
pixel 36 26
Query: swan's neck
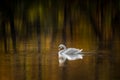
pixel 63 48
pixel 61 51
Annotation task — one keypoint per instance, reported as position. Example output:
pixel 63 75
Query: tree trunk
pixel 64 23
pixel 54 21
pixel 4 36
pixel 37 23
pixel 13 32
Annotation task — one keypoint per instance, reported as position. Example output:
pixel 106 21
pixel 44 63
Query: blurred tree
pixel 38 27
pixel 98 12
pixel 4 35
pixel 7 8
pixel 54 8
pixel 65 22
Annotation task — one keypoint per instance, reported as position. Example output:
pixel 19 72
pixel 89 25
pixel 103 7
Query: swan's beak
pixel 59 48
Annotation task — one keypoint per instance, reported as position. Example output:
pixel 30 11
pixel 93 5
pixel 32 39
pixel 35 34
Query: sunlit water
pixel 34 66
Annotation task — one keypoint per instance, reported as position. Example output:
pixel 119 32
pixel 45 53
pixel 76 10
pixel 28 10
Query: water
pixel 33 66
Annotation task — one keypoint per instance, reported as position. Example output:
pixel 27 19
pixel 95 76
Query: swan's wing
pixel 73 54
pixel 72 51
pixel 74 57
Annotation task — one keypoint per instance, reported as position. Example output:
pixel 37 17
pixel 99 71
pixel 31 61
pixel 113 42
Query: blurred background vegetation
pixel 39 26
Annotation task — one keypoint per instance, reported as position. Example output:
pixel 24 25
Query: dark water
pixel 34 66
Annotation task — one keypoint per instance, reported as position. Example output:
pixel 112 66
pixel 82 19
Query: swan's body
pixel 68 53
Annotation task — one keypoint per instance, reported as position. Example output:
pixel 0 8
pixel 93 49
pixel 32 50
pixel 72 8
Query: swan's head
pixel 62 47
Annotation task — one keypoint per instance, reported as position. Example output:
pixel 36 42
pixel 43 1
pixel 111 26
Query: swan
pixel 68 54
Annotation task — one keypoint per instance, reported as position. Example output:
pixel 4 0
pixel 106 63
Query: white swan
pixel 69 54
